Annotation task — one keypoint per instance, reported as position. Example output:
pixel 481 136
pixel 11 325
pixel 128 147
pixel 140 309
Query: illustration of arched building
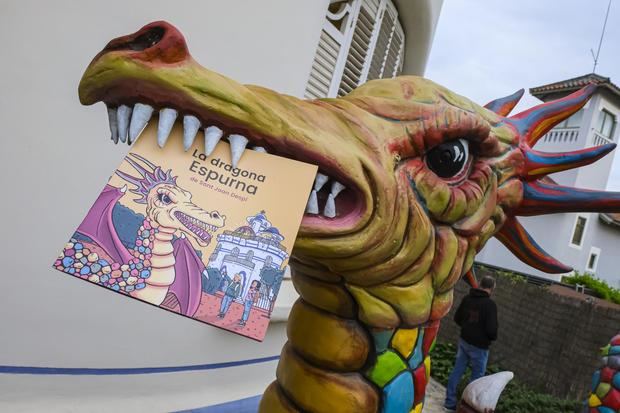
pixel 250 249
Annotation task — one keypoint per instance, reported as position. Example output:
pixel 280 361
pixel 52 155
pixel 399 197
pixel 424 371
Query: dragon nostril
pixel 143 41
pixel 148 39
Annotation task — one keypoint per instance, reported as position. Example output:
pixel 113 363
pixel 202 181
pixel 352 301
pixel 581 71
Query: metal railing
pixel 598 139
pixel 562 135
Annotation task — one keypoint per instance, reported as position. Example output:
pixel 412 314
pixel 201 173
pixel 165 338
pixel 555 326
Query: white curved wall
pixel 56 156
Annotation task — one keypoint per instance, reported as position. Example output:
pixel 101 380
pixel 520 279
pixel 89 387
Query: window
pixel 361 40
pixel 579 230
pixel 606 124
pixel 572 122
pixel 592 263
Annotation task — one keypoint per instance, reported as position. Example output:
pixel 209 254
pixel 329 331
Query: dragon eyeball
pixel 448 159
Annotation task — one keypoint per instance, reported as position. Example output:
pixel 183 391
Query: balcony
pixel 561 135
pixel 598 139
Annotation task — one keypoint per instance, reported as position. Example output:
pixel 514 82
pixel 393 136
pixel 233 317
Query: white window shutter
pixel 389 51
pixel 330 50
pixel 360 40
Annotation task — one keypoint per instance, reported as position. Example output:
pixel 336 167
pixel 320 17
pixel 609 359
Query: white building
pixel 249 250
pixel 589 242
pixel 56 156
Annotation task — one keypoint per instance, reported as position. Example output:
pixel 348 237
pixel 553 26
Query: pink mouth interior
pixel 349 209
pixel 199 232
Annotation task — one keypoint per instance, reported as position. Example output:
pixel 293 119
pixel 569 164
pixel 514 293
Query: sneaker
pixel 449 409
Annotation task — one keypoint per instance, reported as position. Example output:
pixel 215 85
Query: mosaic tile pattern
pixel 605 392
pixel 403 366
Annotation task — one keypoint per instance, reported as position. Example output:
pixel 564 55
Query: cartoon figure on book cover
pixel 158 264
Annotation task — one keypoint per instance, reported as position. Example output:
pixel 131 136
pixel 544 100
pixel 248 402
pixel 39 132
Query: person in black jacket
pixel 477 317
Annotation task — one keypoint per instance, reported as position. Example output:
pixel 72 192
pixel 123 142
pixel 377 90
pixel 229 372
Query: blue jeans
pixel 466 354
pixel 226 302
pixel 247 306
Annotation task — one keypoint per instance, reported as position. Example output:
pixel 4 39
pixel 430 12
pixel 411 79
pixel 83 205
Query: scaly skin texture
pixel 375 280
pixel 605 395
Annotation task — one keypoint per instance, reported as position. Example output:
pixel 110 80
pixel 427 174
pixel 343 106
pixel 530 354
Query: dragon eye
pixel 164 198
pixel 448 159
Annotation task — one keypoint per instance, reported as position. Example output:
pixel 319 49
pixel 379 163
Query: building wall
pixel 56 156
pixel 596 176
pixel 607 239
pixel 549 341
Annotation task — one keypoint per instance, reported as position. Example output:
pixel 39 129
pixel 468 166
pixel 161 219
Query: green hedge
pixel 516 398
pixel 601 288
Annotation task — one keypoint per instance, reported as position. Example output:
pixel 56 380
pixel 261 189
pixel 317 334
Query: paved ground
pixel 435 394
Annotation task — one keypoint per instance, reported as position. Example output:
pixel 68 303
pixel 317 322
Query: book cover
pixel 193 235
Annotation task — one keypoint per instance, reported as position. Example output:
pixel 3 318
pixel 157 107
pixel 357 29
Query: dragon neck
pixel 333 360
pixel 162 262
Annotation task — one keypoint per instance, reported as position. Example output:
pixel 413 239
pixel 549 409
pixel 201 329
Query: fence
pixel 550 341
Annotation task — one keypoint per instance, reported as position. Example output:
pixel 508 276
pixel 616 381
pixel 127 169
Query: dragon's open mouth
pixel 199 228
pixel 124 77
pixel 334 198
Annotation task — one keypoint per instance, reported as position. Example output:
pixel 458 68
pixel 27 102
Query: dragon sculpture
pixel 414 179
pixel 605 395
pixel 158 264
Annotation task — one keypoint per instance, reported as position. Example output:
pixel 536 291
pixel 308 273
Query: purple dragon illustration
pixel 160 267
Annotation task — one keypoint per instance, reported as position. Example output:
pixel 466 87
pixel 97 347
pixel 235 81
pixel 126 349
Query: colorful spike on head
pixel 539 195
pixel 503 106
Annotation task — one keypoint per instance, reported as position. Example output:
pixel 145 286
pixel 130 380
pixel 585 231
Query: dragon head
pixel 413 178
pixel 167 204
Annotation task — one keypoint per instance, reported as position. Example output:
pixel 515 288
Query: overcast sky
pixel 486 49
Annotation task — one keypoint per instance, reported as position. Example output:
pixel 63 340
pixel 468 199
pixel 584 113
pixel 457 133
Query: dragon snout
pixel 157 41
pixel 217 216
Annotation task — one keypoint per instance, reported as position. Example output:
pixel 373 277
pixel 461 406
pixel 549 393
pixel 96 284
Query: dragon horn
pixel 144 160
pixel 533 123
pixel 141 170
pixel 129 178
pixel 523 246
pixel 503 106
pixel 539 164
pixel 541 198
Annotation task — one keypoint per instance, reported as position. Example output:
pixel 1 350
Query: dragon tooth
pixel 330 207
pixel 337 187
pixel 139 118
pixel 319 181
pixel 167 117
pixel 191 124
pixel 213 134
pixel 237 146
pixel 260 149
pixel 123 114
pixel 313 203
pixel 112 119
